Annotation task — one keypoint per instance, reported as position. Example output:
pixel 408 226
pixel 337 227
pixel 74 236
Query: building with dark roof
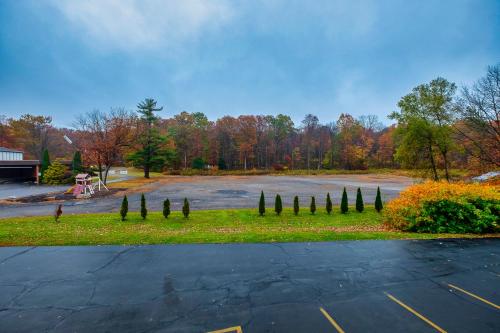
pixel 13 166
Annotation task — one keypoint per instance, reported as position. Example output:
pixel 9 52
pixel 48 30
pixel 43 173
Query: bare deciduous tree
pixel 103 136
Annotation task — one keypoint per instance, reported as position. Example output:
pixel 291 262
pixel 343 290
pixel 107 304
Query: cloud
pixel 143 24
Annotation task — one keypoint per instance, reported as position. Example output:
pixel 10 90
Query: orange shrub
pixel 411 201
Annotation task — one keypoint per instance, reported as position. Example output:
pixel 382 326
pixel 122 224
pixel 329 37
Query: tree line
pixel 437 128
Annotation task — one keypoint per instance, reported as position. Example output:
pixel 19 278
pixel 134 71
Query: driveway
pixel 363 286
pixel 19 190
pixel 207 192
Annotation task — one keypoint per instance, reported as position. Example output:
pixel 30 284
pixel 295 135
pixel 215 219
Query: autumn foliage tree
pixel 103 137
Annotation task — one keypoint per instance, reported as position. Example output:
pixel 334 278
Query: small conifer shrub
pixel 144 210
pixel 166 208
pixel 344 204
pixel 360 206
pixel 185 208
pixel 296 205
pixel 312 208
pixel 124 208
pixel 378 201
pixel 329 205
pixel 278 205
pixel 262 204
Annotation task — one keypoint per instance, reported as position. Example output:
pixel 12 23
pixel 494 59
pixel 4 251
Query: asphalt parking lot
pixel 219 192
pixel 360 286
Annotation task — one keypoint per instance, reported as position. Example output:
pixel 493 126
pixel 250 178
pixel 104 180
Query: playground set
pixel 86 185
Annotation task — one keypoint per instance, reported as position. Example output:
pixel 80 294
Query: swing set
pixel 86 185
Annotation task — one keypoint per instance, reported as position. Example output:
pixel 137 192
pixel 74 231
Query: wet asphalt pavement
pixel 211 192
pixel 361 286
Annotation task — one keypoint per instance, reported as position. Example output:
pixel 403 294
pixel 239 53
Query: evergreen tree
pixel 262 204
pixel 278 205
pixel 185 208
pixel 198 163
pixel 144 210
pixel 151 154
pixel 221 164
pixel 344 205
pixel 166 208
pixel 313 205
pixel 76 165
pixel 45 162
pixel 360 206
pixel 378 201
pixel 296 205
pixel 124 208
pixel 328 204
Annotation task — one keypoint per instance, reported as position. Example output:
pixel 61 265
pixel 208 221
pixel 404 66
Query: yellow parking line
pixel 332 321
pixel 475 296
pixel 436 327
pixel 236 329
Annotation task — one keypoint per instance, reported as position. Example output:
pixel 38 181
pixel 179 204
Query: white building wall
pixel 10 156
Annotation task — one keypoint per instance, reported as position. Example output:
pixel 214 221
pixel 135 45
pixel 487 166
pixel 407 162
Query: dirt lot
pixel 211 192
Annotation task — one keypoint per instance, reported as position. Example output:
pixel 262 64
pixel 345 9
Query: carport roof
pixel 20 163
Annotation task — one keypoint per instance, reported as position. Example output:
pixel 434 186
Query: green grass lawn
pixel 208 226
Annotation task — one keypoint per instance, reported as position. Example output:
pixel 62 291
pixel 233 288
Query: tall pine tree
pixel 76 164
pixel 151 153
pixel 45 162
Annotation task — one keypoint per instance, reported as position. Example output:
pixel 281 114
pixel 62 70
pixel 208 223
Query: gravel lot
pixel 215 192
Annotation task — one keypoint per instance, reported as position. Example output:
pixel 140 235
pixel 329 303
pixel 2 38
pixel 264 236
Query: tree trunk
pixel 445 159
pixel 106 171
pixel 146 170
pixel 433 163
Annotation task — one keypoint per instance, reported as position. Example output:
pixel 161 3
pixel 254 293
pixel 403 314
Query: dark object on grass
pixel 124 208
pixel 185 208
pixel 166 208
pixel 344 205
pixel 58 213
pixel 313 205
pixel 328 204
pixel 296 205
pixel 378 201
pixel 144 210
pixel 278 205
pixel 262 204
pixel 360 206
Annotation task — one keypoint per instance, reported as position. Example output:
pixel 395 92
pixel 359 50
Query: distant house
pixel 14 167
pixel 7 154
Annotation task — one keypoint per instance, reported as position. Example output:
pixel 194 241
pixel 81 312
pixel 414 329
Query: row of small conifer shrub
pixel 344 204
pixel 278 205
pixel 144 210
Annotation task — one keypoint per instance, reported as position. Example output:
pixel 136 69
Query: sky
pixel 227 57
